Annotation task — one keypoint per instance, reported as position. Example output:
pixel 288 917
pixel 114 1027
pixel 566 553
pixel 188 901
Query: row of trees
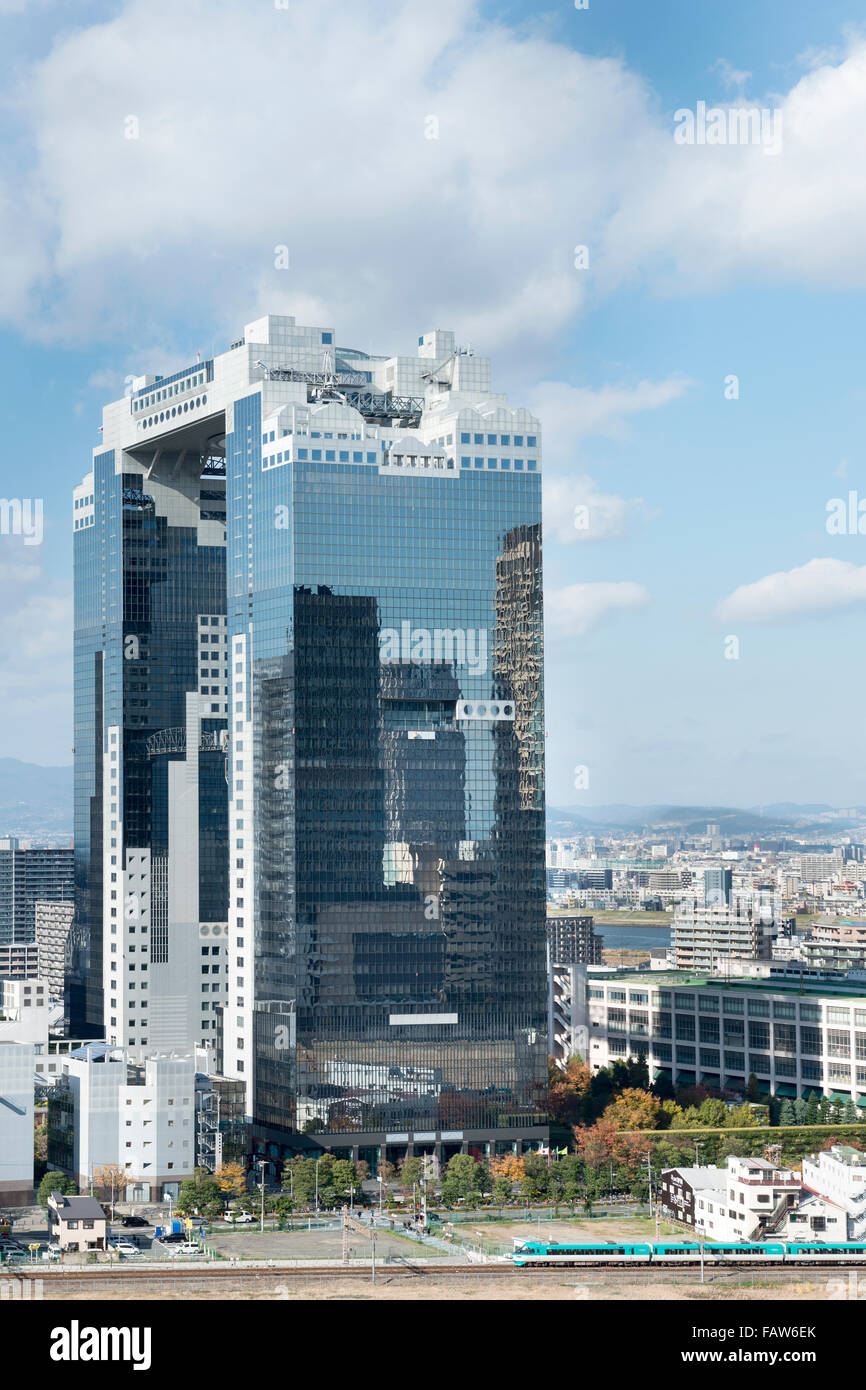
pixel 639 1109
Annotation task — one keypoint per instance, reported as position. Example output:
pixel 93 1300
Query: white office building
pixel 138 1117
pixel 16 1122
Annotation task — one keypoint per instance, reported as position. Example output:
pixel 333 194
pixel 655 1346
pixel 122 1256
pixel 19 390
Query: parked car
pixel 134 1221
pixel 171 1238
pixel 123 1247
pixel 238 1218
pixel 187 1247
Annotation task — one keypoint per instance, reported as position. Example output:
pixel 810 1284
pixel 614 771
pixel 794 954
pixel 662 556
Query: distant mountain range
pixel 779 818
pixel 35 801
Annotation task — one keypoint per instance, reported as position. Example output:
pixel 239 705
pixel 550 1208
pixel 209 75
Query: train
pixel 684 1252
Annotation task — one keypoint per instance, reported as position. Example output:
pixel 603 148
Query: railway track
pixel 67 1280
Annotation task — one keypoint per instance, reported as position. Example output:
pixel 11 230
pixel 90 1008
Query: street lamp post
pixel 318 1161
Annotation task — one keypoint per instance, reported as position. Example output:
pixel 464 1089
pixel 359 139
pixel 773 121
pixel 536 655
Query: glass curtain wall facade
pixel 150 761
pixel 385 632
pixel 315 576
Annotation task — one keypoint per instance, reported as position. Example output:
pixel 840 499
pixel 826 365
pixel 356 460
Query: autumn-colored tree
pixel 109 1177
pixel 634 1109
pixel 596 1144
pixel 231 1178
pixel 510 1166
pixel 631 1150
pixel 691 1095
pixel 568 1090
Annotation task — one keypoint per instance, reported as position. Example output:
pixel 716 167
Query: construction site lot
pixel 319 1244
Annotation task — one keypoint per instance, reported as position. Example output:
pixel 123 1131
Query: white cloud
pixel 718 214
pixel 307 129
pixel 573 413
pixel 574 610
pixel 820 586
pixel 35 656
pixel 602 515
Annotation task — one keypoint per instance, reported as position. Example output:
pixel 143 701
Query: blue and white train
pixel 685 1252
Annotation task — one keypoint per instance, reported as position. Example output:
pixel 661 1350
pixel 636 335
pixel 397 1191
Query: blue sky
pixel 555 130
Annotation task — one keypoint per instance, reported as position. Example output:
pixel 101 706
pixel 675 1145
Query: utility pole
pixel 262 1164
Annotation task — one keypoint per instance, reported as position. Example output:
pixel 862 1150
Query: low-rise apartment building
pixel 839 1174
pixel 704 935
pixel 753 1201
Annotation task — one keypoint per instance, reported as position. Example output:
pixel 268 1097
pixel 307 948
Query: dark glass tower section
pixel 151 848
pixel 386 644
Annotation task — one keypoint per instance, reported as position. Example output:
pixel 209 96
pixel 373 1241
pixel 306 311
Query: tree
pixel 231 1179
pixel 849 1112
pixel 786 1113
pixel 200 1193
pixel 411 1172
pixel 462 1179
pixel 299 1176
pixel 753 1090
pixel 343 1179
pixel 687 1119
pixel 509 1166
pixel 503 1190
pixel 634 1109
pixel 535 1180
pixel 663 1087
pixel 742 1117
pixel 813 1113
pixel 712 1113
pixel 568 1090
pixel 108 1178
pixel 799 1111
pixel 55 1182
pixel 691 1096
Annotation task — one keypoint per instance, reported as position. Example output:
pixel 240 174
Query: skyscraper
pixel 383 706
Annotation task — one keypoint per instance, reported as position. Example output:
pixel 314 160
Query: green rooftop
pixel 688 979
